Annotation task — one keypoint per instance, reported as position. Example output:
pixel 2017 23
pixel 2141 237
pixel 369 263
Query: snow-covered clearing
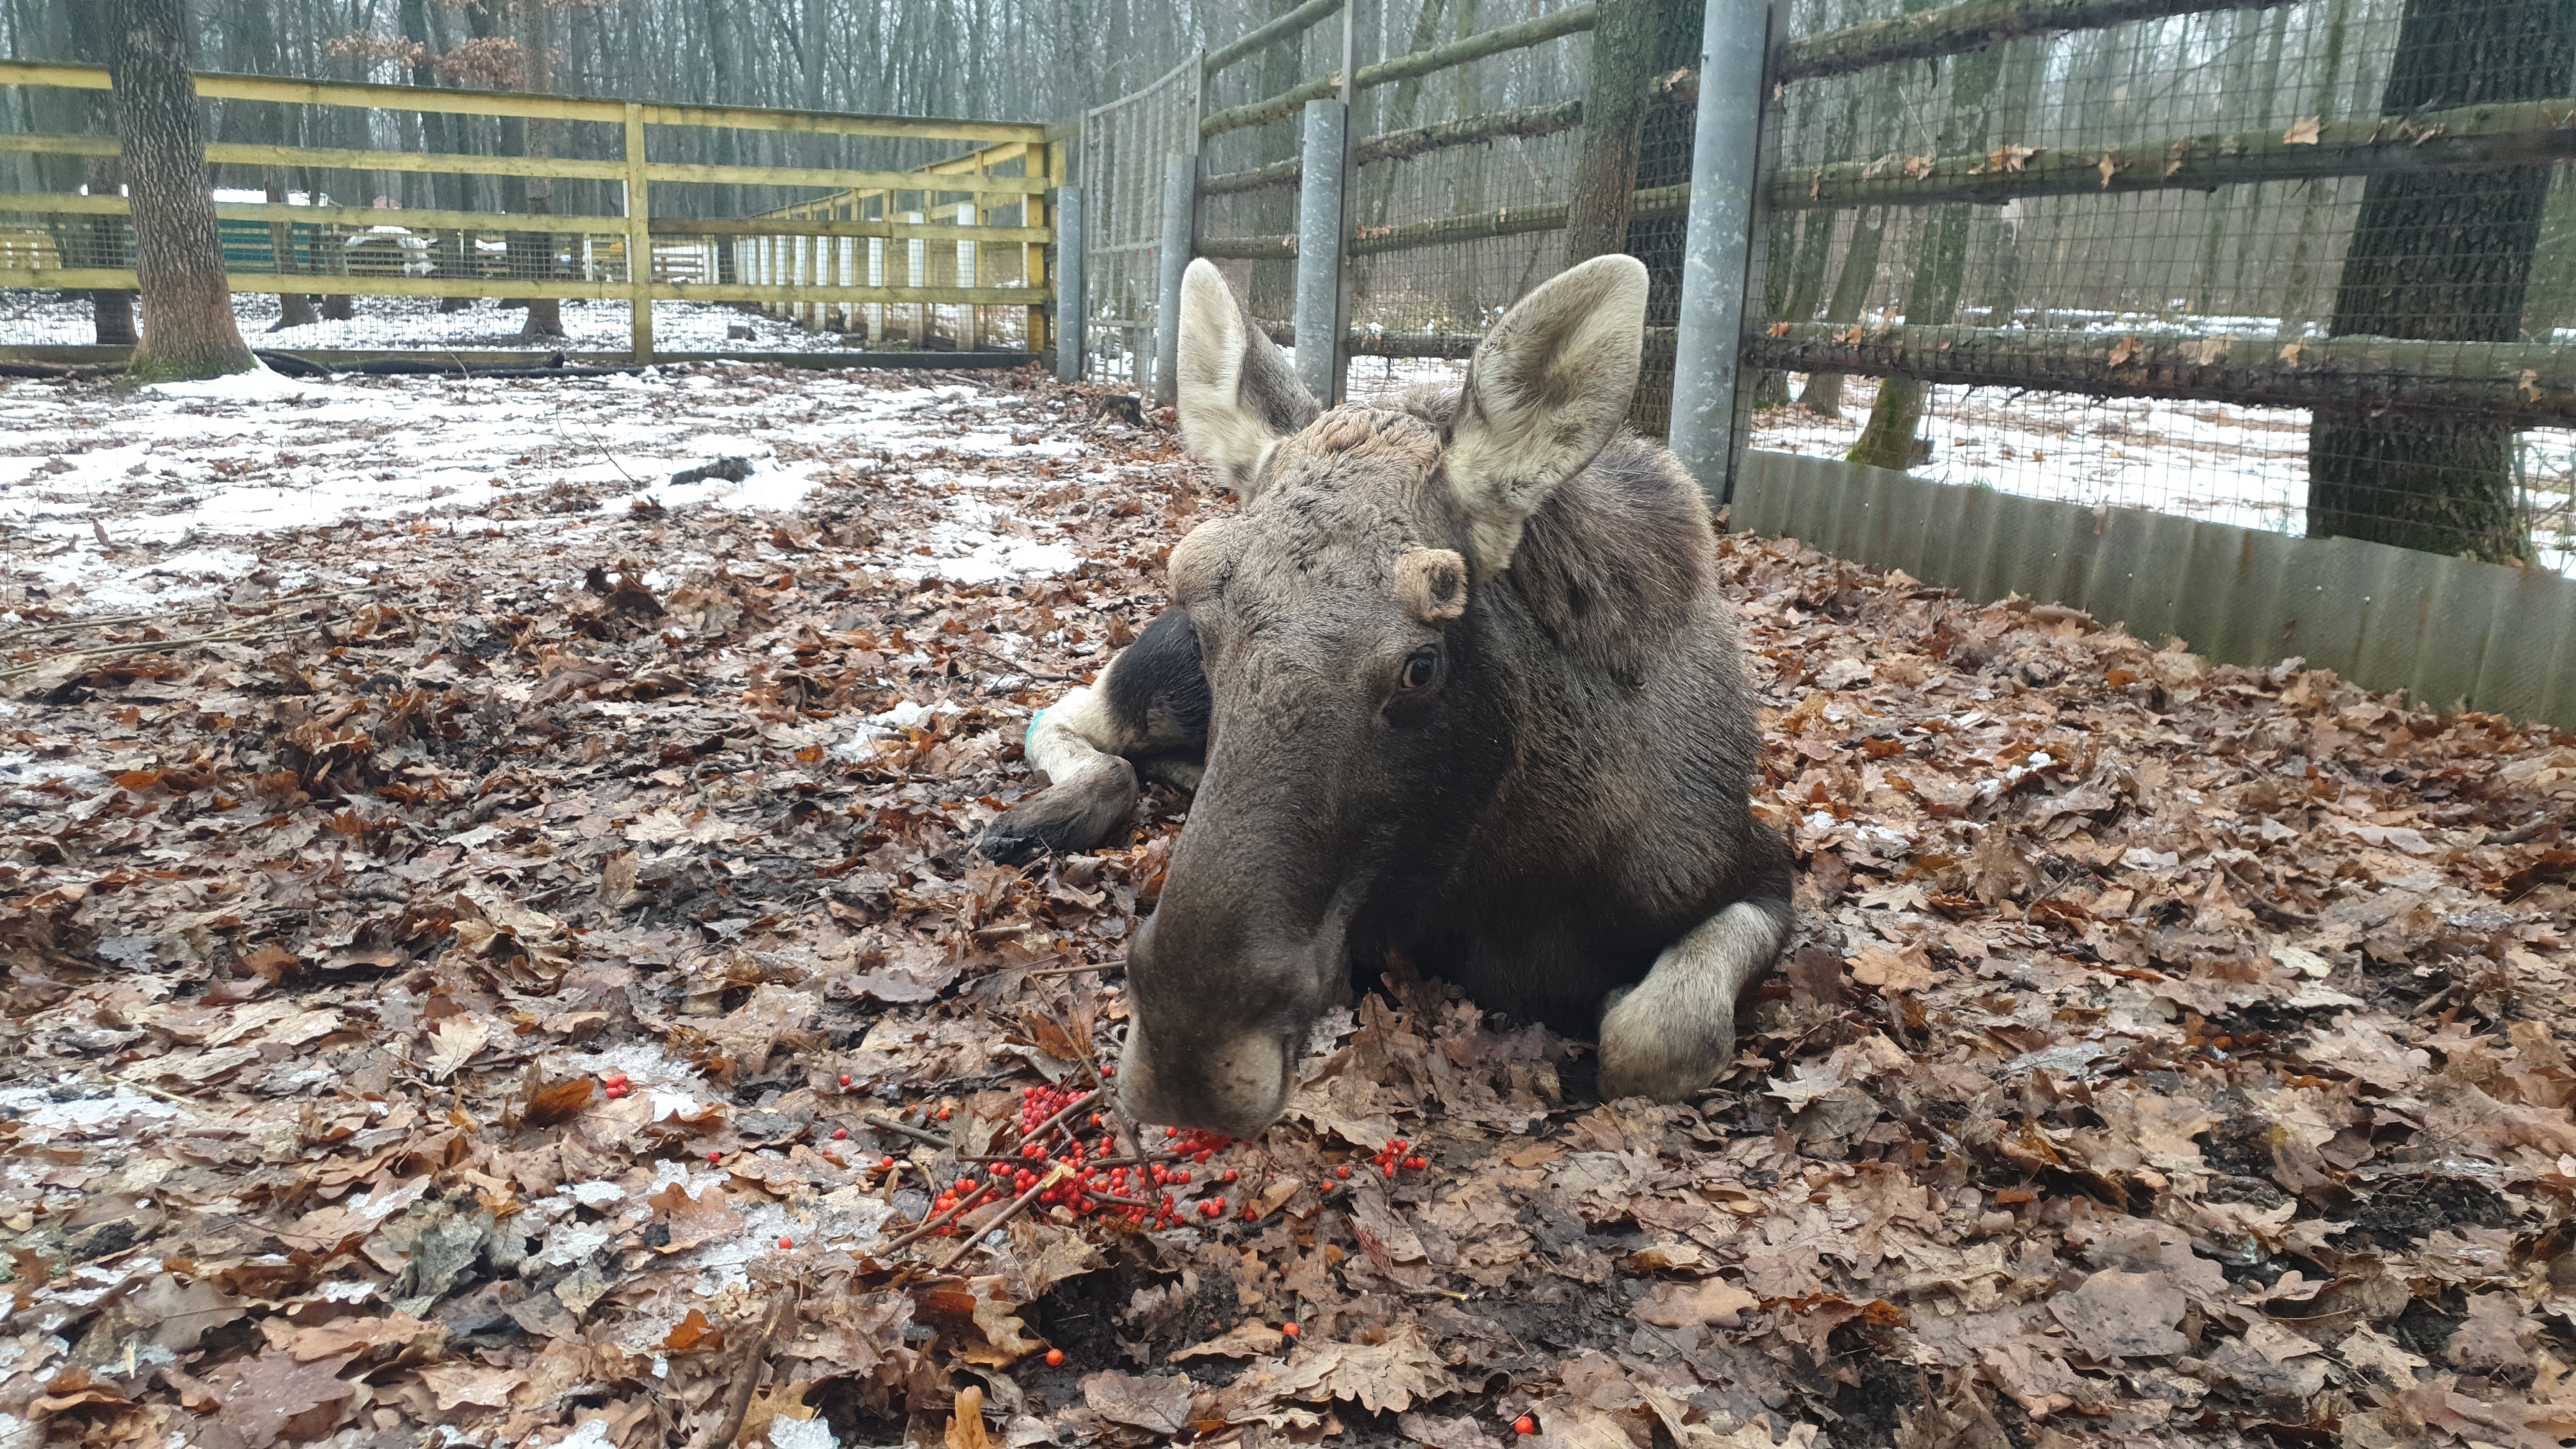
pixel 30 318
pixel 113 501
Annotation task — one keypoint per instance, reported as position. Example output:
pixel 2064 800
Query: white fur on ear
pixel 1216 425
pixel 1548 389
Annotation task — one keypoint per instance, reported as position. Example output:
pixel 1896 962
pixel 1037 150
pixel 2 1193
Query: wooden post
pixel 639 238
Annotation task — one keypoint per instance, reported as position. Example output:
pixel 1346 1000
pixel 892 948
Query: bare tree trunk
pixel 188 328
pixel 536 43
pixel 1614 119
pixel 1939 250
pixel 2441 256
pixel 101 237
pixel 294 309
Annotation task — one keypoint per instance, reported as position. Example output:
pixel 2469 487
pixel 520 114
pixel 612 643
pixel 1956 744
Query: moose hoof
pixel 1665 1055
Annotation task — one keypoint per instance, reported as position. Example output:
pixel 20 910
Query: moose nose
pixel 1234 1083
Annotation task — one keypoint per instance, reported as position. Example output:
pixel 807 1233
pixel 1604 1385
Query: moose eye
pixel 1420 670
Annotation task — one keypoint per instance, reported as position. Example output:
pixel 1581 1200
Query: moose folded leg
pixel 1149 705
pixel 1674 1032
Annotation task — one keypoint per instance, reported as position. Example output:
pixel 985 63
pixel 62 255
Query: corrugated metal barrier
pixel 2448 631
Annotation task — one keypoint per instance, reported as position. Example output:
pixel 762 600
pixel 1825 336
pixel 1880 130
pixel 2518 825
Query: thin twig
pixel 1055 1174
pixel 1079 970
pixel 933 1223
pixel 157 646
pixel 111 621
pixel 746 1380
pixel 915 1133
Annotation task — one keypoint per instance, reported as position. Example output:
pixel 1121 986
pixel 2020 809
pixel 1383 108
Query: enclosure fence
pixel 560 199
pixel 2302 267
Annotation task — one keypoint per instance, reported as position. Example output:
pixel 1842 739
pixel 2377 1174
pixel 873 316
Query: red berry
pixel 1055 1358
pixel 1171 1131
pixel 885 1164
pixel 787 1242
pixel 840 1134
pixel 943 1114
pixel 1229 1174
pixel 1289 1329
pixel 715 1157
pixel 1524 1425
pixel 845 1079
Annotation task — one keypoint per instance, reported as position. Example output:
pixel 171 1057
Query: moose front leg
pixel 1674 1032
pixel 1149 705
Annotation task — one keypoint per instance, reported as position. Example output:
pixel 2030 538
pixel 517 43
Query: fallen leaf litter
pixel 546 996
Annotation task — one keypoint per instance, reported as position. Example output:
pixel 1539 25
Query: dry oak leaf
pixel 2303 131
pixel 1155 1405
pixel 362 1336
pixel 272 1398
pixel 1892 972
pixel 1251 1338
pixel 966 1424
pixel 2126 350
pixel 1392 1375
pixel 458 1382
pixel 1708 1302
pixel 178 1316
pixel 693 1220
pixel 2116 1315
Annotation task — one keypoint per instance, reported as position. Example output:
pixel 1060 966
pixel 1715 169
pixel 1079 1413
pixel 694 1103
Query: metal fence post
pixel 1319 249
pixel 1070 335
pixel 1725 157
pixel 1180 193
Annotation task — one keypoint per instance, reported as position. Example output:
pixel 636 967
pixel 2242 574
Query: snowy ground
pixel 31 318
pixel 113 501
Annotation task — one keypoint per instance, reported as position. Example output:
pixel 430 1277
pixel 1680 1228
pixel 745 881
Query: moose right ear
pixel 1238 395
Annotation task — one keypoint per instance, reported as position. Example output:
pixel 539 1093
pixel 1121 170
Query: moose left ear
pixel 1548 389
pixel 1238 396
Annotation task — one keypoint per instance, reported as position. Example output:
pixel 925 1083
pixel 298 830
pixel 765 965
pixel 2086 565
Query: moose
pixel 1456 682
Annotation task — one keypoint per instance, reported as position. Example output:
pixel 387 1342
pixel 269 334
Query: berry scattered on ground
pixel 1055 1358
pixel 1524 1425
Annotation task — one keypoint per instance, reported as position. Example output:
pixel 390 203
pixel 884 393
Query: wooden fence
pixel 796 260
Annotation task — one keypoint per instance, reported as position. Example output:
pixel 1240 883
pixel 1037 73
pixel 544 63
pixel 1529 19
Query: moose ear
pixel 1238 395
pixel 1547 390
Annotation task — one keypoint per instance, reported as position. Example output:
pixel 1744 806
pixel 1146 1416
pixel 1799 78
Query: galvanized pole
pixel 1180 192
pixel 1342 183
pixel 1725 154
pixel 1071 335
pixel 1319 249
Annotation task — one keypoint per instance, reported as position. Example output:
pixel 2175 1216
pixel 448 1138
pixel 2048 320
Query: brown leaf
pixel 1155 1405
pixel 2116 1315
pixel 2303 132
pixel 362 1336
pixel 692 1333
pixel 2125 350
pixel 1394 1374
pixel 1248 1339
pixel 1710 1301
pixel 557 1103
pixel 273 1398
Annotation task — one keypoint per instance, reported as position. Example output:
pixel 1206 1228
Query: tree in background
pixel 2441 256
pixel 188 328
pixel 111 311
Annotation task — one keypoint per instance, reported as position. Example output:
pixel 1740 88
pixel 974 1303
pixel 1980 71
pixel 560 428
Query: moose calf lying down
pixel 1463 688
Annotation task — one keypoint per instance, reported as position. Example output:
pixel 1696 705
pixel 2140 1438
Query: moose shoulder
pixel 1455 682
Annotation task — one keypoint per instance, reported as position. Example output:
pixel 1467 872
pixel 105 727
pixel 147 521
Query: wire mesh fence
pixel 2263 266
pixel 1124 148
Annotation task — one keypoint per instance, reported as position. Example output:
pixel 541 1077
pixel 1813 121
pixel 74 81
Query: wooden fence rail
pixel 790 260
